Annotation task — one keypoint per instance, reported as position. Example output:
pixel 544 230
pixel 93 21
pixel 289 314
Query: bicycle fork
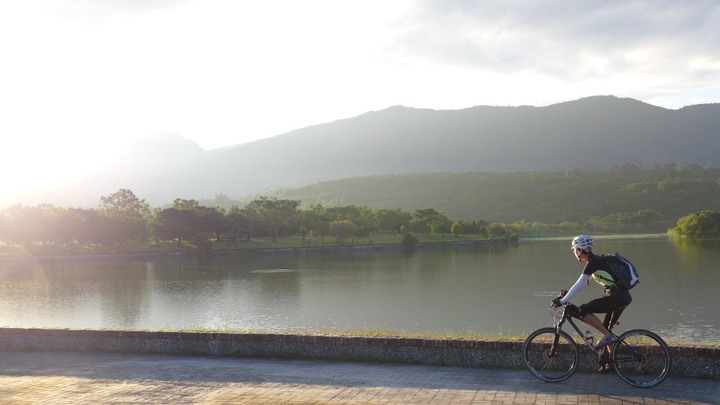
pixel 556 339
pixel 553 347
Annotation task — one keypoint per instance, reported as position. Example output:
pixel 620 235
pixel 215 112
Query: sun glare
pixel 47 162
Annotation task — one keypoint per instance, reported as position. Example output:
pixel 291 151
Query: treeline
pixel 615 195
pixel 122 217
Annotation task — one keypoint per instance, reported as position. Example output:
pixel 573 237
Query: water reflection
pixel 485 290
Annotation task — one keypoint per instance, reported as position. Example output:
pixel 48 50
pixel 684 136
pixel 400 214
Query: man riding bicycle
pixel 614 299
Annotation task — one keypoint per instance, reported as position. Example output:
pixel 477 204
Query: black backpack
pixel 625 272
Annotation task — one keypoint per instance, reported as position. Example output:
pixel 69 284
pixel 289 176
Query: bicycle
pixel 640 357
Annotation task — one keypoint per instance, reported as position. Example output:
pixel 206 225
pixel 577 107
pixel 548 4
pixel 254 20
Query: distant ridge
pixel 660 195
pixel 597 132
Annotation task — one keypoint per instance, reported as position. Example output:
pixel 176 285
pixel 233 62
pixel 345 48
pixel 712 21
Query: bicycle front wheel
pixel 641 358
pixel 550 356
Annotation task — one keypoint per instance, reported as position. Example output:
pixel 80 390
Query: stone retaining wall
pixel 690 361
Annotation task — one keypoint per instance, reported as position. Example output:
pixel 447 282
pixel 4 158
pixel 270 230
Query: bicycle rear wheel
pixel 547 361
pixel 641 358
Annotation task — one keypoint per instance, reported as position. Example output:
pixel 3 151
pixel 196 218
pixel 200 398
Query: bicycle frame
pixel 571 311
pixel 569 318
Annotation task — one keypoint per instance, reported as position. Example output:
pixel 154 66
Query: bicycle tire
pixel 551 368
pixel 641 358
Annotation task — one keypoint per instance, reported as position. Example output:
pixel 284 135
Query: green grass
pixel 297 241
pixel 372 332
pixel 366 332
pixel 187 246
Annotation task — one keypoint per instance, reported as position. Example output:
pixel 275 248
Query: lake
pixel 486 290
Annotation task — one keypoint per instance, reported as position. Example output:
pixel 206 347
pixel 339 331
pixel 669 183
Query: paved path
pixel 86 378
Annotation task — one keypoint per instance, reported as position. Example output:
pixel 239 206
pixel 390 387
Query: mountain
pixel 598 132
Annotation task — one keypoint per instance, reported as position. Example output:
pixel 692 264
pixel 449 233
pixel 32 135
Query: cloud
pixel 568 40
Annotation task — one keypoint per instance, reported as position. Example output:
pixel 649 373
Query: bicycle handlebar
pixel 563 293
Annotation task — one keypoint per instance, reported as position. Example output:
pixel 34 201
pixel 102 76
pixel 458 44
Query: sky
pixel 81 77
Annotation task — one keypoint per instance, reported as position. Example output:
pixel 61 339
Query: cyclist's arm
pixel 579 284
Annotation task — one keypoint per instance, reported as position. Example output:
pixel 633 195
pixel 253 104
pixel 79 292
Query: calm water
pixel 484 290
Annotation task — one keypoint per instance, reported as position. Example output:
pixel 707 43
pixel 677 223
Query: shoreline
pixel 329 248
pixel 264 250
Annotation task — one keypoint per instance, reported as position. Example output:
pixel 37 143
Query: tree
pixel 391 220
pixel 429 218
pixel 213 221
pixel 418 226
pixel 342 230
pixel 238 220
pixel 409 241
pixel 521 227
pixel 65 224
pixel 182 204
pixel 474 227
pixel 95 228
pixel 317 219
pixel 26 224
pixel 651 220
pixel 456 228
pixel 274 213
pixel 699 225
pixel 322 229
pixel 173 223
pixel 128 215
pixel 496 229
pixel 362 217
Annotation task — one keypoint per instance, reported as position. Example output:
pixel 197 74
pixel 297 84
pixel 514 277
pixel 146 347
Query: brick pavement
pixel 109 378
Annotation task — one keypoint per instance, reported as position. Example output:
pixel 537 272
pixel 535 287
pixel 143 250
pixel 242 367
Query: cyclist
pixel 615 298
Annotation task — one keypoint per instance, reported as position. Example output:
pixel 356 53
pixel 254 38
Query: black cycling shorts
pixel 612 300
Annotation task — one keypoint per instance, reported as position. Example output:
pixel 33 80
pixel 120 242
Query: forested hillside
pixel 670 192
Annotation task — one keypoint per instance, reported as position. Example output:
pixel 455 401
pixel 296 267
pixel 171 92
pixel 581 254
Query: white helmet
pixel 582 242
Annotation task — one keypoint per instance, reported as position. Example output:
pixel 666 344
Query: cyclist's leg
pixel 607 319
pixel 611 318
pixel 609 322
pixel 596 306
pixel 621 300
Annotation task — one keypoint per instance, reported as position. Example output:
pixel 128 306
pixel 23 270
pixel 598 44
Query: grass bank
pixel 363 332
pixel 40 249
